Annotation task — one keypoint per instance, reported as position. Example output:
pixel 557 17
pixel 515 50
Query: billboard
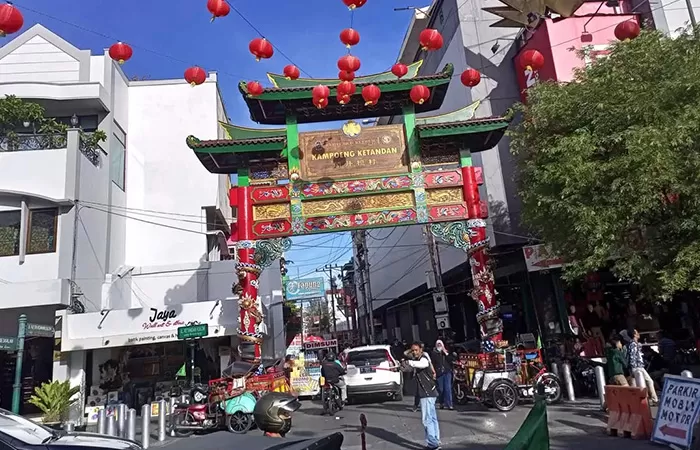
pixel 305 288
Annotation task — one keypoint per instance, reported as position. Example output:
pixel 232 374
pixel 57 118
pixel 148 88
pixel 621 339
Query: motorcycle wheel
pixel 330 404
pixel 553 383
pixel 239 422
pixel 182 418
pixel 459 394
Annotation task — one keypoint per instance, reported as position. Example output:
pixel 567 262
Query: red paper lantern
pixel 343 99
pixel 352 4
pixel 11 19
pixel 419 94
pixel 261 48
pixel 430 39
pixel 321 91
pixel 344 75
pixel 371 94
pixel 254 88
pixel 470 77
pixel 399 69
pixel 195 75
pixel 532 59
pixel 629 29
pixel 346 88
pixel 349 37
pixel 349 63
pixel 291 72
pixel 320 102
pixel 120 52
pixel 218 8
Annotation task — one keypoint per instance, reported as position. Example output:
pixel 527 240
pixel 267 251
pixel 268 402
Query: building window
pixel 41 237
pixel 118 161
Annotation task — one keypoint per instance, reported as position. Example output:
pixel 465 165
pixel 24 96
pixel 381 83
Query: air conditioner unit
pixel 443 321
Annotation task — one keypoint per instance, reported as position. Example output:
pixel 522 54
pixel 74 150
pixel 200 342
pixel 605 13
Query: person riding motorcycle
pixel 333 372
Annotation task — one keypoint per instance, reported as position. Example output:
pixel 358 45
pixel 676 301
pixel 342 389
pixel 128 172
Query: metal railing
pixel 91 152
pixel 31 142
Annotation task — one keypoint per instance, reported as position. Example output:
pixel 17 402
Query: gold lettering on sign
pixel 444 196
pixel 333 155
pixel 352 205
pixel 269 212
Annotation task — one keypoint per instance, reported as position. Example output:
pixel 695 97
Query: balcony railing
pixel 30 142
pixel 90 149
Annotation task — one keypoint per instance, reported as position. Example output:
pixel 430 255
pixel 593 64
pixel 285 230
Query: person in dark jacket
pixel 427 392
pixel 442 362
pixel 333 372
pixel 409 354
pixel 616 364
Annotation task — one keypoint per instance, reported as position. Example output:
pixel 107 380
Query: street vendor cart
pixel 306 372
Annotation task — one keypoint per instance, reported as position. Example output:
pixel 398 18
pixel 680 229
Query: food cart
pixel 307 365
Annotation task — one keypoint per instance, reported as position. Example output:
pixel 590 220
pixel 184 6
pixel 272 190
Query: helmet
pixel 330 356
pixel 273 412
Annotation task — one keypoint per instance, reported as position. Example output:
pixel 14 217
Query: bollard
pixel 111 425
pixel 687 374
pixel 173 402
pixel 131 424
pixel 555 369
pixel 161 420
pixel 69 427
pixel 102 421
pixel 363 426
pixel 639 380
pixel 121 419
pixel 146 425
pixel 600 383
pixel 568 382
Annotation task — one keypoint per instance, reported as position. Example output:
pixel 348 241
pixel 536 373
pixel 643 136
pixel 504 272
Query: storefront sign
pixel 321 344
pixel 540 257
pixel 305 288
pixel 8 343
pixel 678 411
pixel 162 318
pixel 353 151
pixel 39 330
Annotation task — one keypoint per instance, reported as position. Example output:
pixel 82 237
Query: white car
pixel 372 370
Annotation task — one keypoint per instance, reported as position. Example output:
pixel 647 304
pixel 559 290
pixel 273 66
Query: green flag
pixel 182 372
pixel 533 433
pixel 539 343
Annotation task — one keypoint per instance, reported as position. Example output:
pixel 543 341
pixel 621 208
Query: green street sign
pixel 39 330
pixel 8 343
pixel 193 331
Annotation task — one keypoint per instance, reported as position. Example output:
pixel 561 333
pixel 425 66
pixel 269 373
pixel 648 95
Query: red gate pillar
pixel 483 292
pixel 248 272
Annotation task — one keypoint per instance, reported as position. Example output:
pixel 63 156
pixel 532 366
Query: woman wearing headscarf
pixel 442 361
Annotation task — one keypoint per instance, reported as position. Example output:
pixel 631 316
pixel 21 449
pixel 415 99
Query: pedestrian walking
pixel 427 392
pixel 443 362
pixel 636 364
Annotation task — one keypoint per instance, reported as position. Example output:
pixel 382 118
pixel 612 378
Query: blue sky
pixel 170 35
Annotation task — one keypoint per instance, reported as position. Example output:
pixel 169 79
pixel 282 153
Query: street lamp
pixel 74 121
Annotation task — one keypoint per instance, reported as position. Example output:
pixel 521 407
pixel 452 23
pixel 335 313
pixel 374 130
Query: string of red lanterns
pixel 11 19
pixel 349 37
pixel 531 60
pixel 120 52
pixel 291 72
pixel 419 94
pixel 629 29
pixel 261 49
pixel 430 39
pixel 254 88
pixel 470 77
pixel 399 70
pixel 352 4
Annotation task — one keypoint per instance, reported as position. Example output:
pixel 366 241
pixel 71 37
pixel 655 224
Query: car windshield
pixel 367 357
pixel 22 429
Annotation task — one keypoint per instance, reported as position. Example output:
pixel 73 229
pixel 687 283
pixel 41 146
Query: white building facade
pixel 117 245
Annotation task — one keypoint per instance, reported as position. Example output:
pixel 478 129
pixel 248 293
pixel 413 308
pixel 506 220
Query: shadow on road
pixel 388 436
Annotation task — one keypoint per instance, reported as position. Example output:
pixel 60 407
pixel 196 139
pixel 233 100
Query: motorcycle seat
pixel 181 405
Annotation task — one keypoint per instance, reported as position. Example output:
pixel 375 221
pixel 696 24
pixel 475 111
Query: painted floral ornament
pixel 246 301
pixel 294 174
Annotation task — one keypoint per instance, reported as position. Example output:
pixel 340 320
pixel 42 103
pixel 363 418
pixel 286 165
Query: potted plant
pixel 54 400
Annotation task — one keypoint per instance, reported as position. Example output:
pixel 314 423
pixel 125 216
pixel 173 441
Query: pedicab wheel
pixel 460 395
pixel 552 387
pixel 239 422
pixel 184 418
pixel 504 395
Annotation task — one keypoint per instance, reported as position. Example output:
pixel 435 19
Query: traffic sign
pixel 39 330
pixel 193 331
pixel 8 343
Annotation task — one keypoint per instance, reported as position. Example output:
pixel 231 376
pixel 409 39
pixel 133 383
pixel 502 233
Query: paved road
pixel 393 426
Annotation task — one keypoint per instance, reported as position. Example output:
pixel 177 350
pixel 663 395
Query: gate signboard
pixel 289 183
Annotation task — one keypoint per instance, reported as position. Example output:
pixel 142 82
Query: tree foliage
pixel 610 163
pixel 14 112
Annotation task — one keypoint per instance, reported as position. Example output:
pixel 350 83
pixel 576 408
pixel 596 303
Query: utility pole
pixel 439 298
pixel 334 291
pixel 434 258
pixel 365 282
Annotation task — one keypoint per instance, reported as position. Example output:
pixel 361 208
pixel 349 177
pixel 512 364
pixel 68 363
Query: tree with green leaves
pixel 609 164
